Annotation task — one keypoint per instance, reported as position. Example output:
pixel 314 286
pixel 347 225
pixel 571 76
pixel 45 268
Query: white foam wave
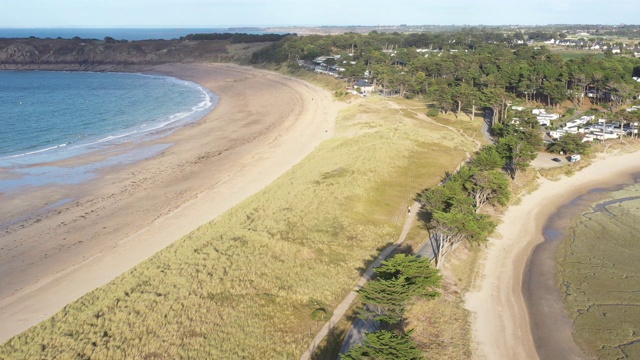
pixel 34 152
pixel 176 119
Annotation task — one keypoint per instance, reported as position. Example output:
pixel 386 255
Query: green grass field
pixel 598 272
pixel 259 281
pixel 575 54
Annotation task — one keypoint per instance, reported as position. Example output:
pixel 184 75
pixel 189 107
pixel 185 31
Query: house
pixel 517 108
pixel 364 86
pixel 545 119
pixel 573 123
pixel 572 130
pixel 574 158
pixel 557 134
pixel 637 54
pixel 605 135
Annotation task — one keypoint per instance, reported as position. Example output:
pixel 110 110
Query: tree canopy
pixel 399 279
pixel 569 144
pixel 384 345
pixel 461 70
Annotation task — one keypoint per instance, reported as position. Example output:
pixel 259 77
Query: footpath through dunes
pixel 263 125
pixel 260 280
pixel 501 321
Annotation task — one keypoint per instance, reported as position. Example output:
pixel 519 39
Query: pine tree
pixel 384 345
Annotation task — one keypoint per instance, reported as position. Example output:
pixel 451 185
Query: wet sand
pixel 263 124
pixel 501 321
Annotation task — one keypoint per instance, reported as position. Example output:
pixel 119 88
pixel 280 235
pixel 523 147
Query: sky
pixel 222 13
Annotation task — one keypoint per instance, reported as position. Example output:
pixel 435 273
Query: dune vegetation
pixel 259 281
pixel 598 272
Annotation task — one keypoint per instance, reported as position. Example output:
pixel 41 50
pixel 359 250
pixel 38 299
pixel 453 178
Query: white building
pixel 557 134
pixel 545 119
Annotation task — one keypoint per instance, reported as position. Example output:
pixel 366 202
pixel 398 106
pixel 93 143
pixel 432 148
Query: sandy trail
pixel 500 318
pixel 263 125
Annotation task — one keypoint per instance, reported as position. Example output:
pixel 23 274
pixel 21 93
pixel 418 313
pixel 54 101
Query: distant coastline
pixel 130 34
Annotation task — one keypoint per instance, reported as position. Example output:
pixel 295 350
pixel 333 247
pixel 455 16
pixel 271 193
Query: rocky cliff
pixel 98 55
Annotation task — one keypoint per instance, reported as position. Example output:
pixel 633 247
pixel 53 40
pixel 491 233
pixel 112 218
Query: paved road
pixel 426 250
pixel 485 127
pixel 356 334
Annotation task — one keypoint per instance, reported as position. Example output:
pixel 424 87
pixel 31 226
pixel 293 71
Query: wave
pixel 155 128
pixel 34 152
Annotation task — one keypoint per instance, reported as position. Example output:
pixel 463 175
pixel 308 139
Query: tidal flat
pixel 599 276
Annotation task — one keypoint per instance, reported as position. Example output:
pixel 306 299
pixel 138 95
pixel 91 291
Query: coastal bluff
pixel 113 55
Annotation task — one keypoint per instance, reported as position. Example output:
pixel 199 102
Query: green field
pixel 575 54
pixel 599 274
pixel 260 280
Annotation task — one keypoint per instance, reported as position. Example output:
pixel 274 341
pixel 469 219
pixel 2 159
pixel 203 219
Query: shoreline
pixel 540 286
pixel 264 123
pixel 63 166
pixel 501 321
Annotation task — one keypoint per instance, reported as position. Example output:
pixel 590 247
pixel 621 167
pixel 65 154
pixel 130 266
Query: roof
pixel 362 83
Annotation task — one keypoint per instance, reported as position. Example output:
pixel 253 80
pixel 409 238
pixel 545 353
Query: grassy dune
pixel 441 327
pixel 258 281
pixel 599 274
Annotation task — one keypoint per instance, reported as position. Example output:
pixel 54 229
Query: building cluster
pixel 603 129
pixel 594 45
pixel 543 118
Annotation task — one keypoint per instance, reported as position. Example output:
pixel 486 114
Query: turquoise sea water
pixel 50 116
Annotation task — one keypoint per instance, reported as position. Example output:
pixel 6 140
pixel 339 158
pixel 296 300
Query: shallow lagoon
pixel 599 275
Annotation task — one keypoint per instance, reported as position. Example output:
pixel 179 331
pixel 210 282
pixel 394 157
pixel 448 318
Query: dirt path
pixel 342 308
pixel 348 300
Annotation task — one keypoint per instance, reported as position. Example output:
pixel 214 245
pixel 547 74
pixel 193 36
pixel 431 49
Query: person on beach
pixel 409 210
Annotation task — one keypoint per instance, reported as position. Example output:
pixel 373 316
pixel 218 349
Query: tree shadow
pixel 330 347
pixel 368 261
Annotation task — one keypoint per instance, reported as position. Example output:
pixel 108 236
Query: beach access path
pixel 344 306
pixel 263 125
pixel 500 319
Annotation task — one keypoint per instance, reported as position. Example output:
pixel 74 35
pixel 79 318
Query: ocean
pixel 118 33
pixel 52 116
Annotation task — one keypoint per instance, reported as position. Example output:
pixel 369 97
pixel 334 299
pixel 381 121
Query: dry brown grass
pixel 441 326
pixel 252 283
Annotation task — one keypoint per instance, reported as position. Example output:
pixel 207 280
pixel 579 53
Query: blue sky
pixel 218 13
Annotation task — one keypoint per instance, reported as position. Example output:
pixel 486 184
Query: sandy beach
pixel 262 126
pixel 500 320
